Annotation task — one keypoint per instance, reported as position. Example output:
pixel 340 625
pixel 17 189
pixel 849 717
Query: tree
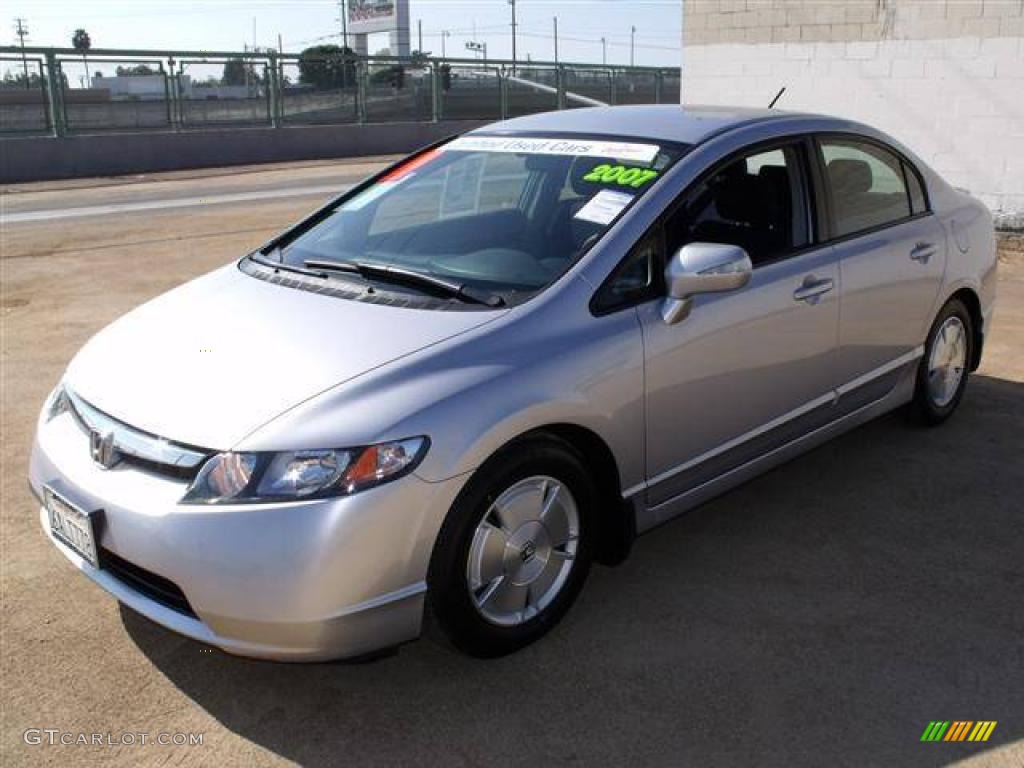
pixel 138 69
pixel 328 66
pixel 234 72
pixel 18 80
pixel 82 42
pixel 392 75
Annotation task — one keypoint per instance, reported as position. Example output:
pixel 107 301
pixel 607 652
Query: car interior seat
pixel 748 211
pixel 851 182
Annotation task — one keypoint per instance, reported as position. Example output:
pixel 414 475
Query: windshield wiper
pixel 260 259
pixel 410 277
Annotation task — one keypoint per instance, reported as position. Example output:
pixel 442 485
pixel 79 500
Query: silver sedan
pixel 500 360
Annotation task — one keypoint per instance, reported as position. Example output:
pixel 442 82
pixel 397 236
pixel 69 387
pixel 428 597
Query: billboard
pixel 368 16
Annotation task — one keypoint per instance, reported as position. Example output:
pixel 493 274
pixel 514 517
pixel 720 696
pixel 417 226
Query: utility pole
pixel 280 45
pixel 344 23
pixel 419 34
pixel 604 51
pixel 21 30
pixel 632 40
pixel 444 33
pixel 513 4
pixel 555 19
pixel 252 65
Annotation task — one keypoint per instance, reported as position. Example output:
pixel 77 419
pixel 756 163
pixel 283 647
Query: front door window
pixel 755 202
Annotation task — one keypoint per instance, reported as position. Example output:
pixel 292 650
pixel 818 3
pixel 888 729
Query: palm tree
pixel 82 42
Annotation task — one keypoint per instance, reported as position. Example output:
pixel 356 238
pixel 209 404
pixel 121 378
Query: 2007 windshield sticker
pixel 621 175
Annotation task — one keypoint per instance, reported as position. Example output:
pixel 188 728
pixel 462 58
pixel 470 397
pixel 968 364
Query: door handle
pixel 812 289
pixel 922 252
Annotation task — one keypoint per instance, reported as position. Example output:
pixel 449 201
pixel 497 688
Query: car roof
pixel 658 122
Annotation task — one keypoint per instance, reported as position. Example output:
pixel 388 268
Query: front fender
pixel 552 363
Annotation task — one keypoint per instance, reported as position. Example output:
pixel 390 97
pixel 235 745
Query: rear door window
pixel 918 202
pixel 866 185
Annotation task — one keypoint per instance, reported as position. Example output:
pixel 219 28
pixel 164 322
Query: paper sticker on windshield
pixel 619 150
pixel 604 207
pixel 621 175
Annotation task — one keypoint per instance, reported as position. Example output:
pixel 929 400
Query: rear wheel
pixel 515 549
pixel 942 374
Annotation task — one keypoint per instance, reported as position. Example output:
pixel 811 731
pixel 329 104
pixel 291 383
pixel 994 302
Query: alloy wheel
pixel 947 361
pixel 523 550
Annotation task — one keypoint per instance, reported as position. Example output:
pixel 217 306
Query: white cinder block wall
pixel 945 77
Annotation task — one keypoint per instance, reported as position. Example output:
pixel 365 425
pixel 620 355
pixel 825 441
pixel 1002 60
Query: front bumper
pixel 305 580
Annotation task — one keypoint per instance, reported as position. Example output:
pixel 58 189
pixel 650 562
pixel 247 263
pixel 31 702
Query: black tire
pixel 448 581
pixel 924 409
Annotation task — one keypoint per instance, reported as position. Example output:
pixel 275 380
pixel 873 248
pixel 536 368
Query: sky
pixel 229 24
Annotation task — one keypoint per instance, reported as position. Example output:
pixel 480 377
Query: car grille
pixel 156 588
pixel 133 446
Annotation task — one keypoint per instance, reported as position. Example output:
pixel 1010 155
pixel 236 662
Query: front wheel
pixel 515 549
pixel 942 375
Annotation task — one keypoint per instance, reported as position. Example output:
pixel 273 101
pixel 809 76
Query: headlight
pixel 239 478
pixel 57 403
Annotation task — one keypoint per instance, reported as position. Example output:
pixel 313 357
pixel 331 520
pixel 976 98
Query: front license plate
pixel 71 525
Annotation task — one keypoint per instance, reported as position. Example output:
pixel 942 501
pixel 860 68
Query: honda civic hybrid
pixel 447 392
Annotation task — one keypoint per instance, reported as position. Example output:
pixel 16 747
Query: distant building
pixel 945 77
pixel 152 88
pixel 139 87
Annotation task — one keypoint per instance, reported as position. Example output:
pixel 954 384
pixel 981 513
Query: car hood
pixel 212 360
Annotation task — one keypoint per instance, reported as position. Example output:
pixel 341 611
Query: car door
pixel 748 370
pixel 892 255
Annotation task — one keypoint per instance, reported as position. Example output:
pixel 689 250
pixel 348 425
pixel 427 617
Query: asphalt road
pixel 822 614
pixel 286 179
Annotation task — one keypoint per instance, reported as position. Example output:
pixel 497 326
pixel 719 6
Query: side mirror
pixel 702 268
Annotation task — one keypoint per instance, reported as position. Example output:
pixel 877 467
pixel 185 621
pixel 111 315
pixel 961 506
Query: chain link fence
pixel 58 91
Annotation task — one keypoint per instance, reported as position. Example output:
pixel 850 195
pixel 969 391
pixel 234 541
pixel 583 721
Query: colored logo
pixel 958 730
pixel 621 175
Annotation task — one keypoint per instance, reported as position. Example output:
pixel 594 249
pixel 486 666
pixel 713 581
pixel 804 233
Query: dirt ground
pixel 822 614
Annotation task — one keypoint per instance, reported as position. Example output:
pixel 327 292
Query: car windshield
pixel 503 215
